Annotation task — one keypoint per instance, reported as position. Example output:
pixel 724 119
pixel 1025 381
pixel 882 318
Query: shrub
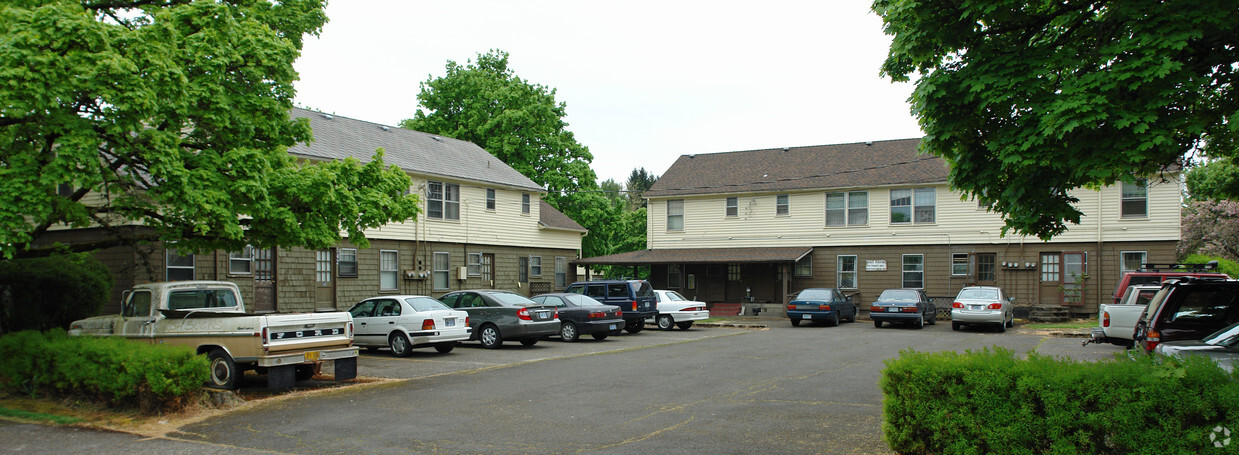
pixel 51 292
pixel 993 402
pixel 115 371
pixel 1226 266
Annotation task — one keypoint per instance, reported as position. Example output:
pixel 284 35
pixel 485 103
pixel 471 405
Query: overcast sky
pixel 644 81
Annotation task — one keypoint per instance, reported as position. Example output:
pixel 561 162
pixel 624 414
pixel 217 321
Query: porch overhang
pixel 778 255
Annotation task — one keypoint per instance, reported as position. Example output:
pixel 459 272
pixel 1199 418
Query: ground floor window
pixel 535 265
pixel 959 264
pixel 522 269
pixel 441 270
pixel 388 259
pixel 847 272
pixel 347 263
pixel 733 272
pixel 1132 261
pixel 914 271
pixel 179 266
pixel 241 262
pixel 561 272
pixel 673 276
pixel 475 264
pixel 804 267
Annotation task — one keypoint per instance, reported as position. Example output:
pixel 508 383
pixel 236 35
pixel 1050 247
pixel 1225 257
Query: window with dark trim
pixel 347 262
pixel 673 276
pixel 804 267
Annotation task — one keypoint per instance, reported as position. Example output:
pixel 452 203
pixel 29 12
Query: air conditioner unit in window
pixel 462 273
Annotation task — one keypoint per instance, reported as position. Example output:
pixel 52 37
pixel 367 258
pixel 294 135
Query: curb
pixel 733 325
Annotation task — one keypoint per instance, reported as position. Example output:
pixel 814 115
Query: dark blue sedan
pixel 821 304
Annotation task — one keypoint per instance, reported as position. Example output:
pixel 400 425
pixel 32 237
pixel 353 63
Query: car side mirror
pixel 1011 299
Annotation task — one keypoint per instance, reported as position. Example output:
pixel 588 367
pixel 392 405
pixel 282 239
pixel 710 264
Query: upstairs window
pixel 782 204
pixel 847 208
pixel 732 206
pixel 675 215
pixel 490 199
pixel 525 203
pixel 910 205
pixel 1135 199
pixel 443 201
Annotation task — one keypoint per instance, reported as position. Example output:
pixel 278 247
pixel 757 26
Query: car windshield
pixel 815 294
pixel 642 288
pixel 1228 336
pixel 674 296
pixel 508 298
pixel 581 300
pixel 898 295
pixel 425 304
pixel 978 294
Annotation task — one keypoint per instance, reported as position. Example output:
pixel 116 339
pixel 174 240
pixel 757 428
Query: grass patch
pixel 38 416
pixel 1075 324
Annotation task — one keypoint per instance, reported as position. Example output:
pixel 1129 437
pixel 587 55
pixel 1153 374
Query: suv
pixel 634 297
pixel 1156 273
pixel 1188 308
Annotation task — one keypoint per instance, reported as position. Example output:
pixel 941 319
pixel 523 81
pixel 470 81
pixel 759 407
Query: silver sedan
pixel 983 305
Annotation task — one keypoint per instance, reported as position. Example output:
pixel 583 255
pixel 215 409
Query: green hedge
pixel 112 370
pixel 51 292
pixel 993 402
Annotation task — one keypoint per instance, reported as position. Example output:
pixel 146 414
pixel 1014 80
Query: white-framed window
pixel 388 261
pixel 913 205
pixel 849 208
pixel 846 271
pixel 347 262
pixel 443 200
pixel 804 267
pixel 1135 202
pixel 525 203
pixel 675 215
pixel 535 265
pixel 782 204
pixel 960 264
pixel 561 272
pixel 732 207
pixel 474 263
pixel 490 199
pixel 674 275
pixel 441 270
pixel 1132 261
pixel 914 271
pixel 178 265
pixel 241 262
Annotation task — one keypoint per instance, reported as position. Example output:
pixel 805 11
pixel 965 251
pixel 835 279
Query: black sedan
pixel 904 306
pixel 496 316
pixel 581 315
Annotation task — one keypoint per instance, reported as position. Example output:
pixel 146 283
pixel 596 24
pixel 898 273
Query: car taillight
pixel 266 339
pixel 876 309
pixel 619 312
pixel 1105 319
pixel 597 315
pixel 995 306
pixel 957 305
pixel 694 308
pixel 634 305
pixel 428 324
pixel 466 321
pixel 350 330
pixel 1151 340
pixel 824 307
pixel 910 309
pixel 523 314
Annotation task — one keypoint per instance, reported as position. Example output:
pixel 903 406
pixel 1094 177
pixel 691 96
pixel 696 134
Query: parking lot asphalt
pixel 809 389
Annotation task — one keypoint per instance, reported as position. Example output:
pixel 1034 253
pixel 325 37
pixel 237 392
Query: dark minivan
pixel 634 297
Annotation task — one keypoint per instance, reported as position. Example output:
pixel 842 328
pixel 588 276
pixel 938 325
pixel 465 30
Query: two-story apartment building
pixel 483 225
pixel 761 224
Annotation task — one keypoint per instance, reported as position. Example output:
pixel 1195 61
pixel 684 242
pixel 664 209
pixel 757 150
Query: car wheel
pixel 684 325
pixel 795 323
pixel 933 318
pixel 1011 322
pixel 568 332
pixel 224 372
pixel 303 372
pixel 529 342
pixel 920 322
pixel 635 326
pixel 877 324
pixel 955 325
pixel 599 336
pixel 834 321
pixel 372 348
pixel 445 348
pixel 852 318
pixel 1002 326
pixel 665 322
pixel 399 344
pixel 490 337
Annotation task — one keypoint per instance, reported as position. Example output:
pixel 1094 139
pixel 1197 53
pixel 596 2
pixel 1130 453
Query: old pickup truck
pixel 1116 322
pixel 210 317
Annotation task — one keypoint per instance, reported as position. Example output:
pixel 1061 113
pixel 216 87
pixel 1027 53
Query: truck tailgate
pixel 297 332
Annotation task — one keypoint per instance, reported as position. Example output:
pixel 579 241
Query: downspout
pixel 1100 220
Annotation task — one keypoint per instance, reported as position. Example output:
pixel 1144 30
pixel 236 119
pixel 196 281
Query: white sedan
pixel 675 310
pixel 404 322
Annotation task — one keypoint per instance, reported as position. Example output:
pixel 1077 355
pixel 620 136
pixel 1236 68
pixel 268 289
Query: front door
pixel 488 270
pixel 987 270
pixel 1049 290
pixel 325 284
pixel 264 280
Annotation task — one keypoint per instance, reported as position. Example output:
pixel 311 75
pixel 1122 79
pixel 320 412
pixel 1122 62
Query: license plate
pixel 807 316
pixel 612 327
pixel 974 307
pixel 449 322
pixel 311 356
pixel 892 310
pixel 544 314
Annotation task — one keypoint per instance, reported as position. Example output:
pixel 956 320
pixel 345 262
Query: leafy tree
pixel 1211 228
pixel 638 182
pixel 1218 179
pixel 517 121
pixel 1027 100
pixel 173 114
pixel 612 189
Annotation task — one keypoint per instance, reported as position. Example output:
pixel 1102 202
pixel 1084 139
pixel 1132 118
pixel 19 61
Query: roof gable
pixel 337 138
pixel 861 164
pixel 554 219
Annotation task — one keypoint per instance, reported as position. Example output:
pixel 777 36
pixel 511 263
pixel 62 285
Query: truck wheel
pixel 634 326
pixel 399 344
pixel 490 337
pixel 684 325
pixel 304 372
pixel 445 348
pixel 223 370
pixel 665 322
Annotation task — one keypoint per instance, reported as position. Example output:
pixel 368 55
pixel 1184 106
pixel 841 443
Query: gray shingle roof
pixel 550 217
pixel 700 256
pixel 336 138
pixel 861 164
